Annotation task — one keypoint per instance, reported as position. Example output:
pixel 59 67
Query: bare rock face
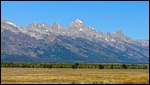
pixel 45 43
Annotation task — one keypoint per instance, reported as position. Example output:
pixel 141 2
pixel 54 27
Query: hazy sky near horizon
pixel 132 17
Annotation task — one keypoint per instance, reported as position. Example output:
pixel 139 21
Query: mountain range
pixel 45 43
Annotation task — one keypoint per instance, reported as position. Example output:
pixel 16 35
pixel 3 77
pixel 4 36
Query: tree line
pixel 77 65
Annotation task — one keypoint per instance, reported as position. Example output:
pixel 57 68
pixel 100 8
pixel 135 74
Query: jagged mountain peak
pixel 8 22
pixel 34 25
pixel 56 24
pixel 77 24
pixel 51 43
pixel 8 25
pixel 78 21
pixel 119 33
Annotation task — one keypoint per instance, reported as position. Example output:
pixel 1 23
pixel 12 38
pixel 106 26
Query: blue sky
pixel 130 17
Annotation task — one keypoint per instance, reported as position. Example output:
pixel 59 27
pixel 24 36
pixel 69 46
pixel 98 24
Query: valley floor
pixel 73 76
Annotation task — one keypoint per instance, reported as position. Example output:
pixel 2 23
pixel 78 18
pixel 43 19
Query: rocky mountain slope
pixel 44 43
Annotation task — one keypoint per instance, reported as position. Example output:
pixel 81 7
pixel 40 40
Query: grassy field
pixel 73 76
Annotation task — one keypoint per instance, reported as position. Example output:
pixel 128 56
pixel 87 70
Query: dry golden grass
pixel 73 76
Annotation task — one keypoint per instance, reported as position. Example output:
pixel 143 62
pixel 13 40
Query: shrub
pixel 101 66
pixel 124 66
pixel 75 66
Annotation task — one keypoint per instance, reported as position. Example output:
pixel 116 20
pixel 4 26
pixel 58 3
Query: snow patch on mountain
pixel 11 24
pixel 78 20
pixel 80 29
